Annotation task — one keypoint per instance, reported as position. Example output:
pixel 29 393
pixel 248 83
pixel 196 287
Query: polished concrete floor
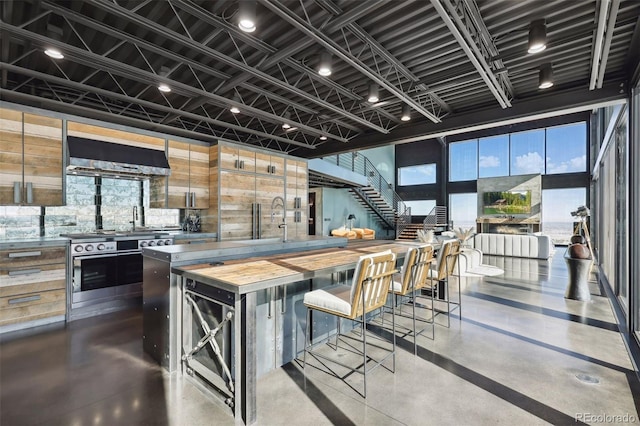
pixel 522 354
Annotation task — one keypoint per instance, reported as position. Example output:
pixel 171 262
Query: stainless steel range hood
pixel 90 157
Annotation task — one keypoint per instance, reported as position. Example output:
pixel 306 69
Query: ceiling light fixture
pixel 537 36
pixel 545 76
pixel 324 67
pixel 234 109
pixel 164 88
pixel 373 93
pixel 287 116
pixel 247 16
pixel 53 53
pixel 406 113
pixel 323 138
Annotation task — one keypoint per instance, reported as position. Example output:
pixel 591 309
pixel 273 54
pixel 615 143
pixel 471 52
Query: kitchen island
pixel 255 311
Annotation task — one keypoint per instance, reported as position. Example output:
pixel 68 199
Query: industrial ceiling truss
pixel 426 61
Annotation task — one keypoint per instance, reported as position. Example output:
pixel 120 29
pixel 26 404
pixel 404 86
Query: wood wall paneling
pixel 105 134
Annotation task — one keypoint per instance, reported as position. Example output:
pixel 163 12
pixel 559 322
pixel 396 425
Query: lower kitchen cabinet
pixel 32 286
pixel 281 319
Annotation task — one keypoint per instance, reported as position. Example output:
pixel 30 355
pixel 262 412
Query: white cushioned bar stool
pixel 368 292
pixel 413 277
pixel 445 266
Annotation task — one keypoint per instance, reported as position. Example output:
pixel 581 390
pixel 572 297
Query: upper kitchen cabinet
pixel 231 157
pixel 269 164
pixel 31 160
pixel 297 194
pixel 188 184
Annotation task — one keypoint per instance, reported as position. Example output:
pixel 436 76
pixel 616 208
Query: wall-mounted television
pixel 506 202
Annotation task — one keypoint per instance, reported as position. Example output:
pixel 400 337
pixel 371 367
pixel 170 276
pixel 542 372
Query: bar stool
pixel 368 292
pixel 446 262
pixel 413 277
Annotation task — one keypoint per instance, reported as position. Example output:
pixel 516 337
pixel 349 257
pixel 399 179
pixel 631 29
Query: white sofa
pixel 515 245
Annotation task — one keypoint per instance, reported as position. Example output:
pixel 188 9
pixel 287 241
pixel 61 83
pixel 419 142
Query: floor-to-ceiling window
pixel 559 153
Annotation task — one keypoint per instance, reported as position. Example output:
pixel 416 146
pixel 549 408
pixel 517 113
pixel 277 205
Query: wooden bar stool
pixel 446 262
pixel 368 291
pixel 412 278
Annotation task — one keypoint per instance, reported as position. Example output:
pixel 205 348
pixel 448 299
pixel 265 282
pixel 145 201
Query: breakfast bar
pixel 248 292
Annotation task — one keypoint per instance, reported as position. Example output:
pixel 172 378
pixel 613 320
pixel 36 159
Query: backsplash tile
pixel 79 215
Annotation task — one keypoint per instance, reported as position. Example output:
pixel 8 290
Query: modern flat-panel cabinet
pixel 31 169
pixel 248 193
pixel 32 284
pixel 269 164
pixel 234 158
pixel 189 179
pixel 188 184
pixel 297 197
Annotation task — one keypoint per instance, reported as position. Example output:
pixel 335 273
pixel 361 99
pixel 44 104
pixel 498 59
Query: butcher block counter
pixel 255 307
pixel 249 275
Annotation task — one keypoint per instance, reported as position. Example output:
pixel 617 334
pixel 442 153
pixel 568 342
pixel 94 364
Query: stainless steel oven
pixel 107 273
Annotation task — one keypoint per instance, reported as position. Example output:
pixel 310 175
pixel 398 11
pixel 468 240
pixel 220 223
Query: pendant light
pixel 324 67
pixel 537 36
pixel 406 113
pixel 374 95
pixel 247 15
pixel 545 76
pixel 234 109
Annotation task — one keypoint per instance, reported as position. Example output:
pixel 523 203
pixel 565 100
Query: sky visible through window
pixel 417 175
pixel 560 149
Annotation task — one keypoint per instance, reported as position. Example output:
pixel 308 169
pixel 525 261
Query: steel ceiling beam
pixel 282 11
pixel 611 23
pixel 459 32
pixel 597 44
pixel 94 60
pixel 124 13
pixel 147 104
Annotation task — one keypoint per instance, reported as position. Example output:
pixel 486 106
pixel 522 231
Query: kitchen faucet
pixel 135 217
pixel 279 202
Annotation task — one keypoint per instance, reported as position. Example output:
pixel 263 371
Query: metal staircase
pixel 378 196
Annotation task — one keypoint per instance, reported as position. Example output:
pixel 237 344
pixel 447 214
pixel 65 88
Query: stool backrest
pixel 371 280
pixel 416 267
pixel 447 258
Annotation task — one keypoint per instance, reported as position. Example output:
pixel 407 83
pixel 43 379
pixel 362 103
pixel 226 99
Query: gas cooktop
pixel 103 234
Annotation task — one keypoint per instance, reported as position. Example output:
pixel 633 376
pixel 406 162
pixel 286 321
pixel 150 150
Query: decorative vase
pixel 578 251
pixel 578 239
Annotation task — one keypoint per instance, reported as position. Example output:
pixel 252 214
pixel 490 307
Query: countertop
pixel 223 250
pixel 253 274
pixel 33 242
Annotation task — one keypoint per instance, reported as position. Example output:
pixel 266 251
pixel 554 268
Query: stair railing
pixel 404 220
pixel 358 163
pixel 436 217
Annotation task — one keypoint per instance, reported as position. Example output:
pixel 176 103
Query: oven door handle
pixel 127 252
pixel 97 256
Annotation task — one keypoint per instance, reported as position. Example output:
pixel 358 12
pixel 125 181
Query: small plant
pixel 425 236
pixel 463 235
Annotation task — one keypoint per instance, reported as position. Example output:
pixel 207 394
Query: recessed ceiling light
pixel 53 53
pixel 164 88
